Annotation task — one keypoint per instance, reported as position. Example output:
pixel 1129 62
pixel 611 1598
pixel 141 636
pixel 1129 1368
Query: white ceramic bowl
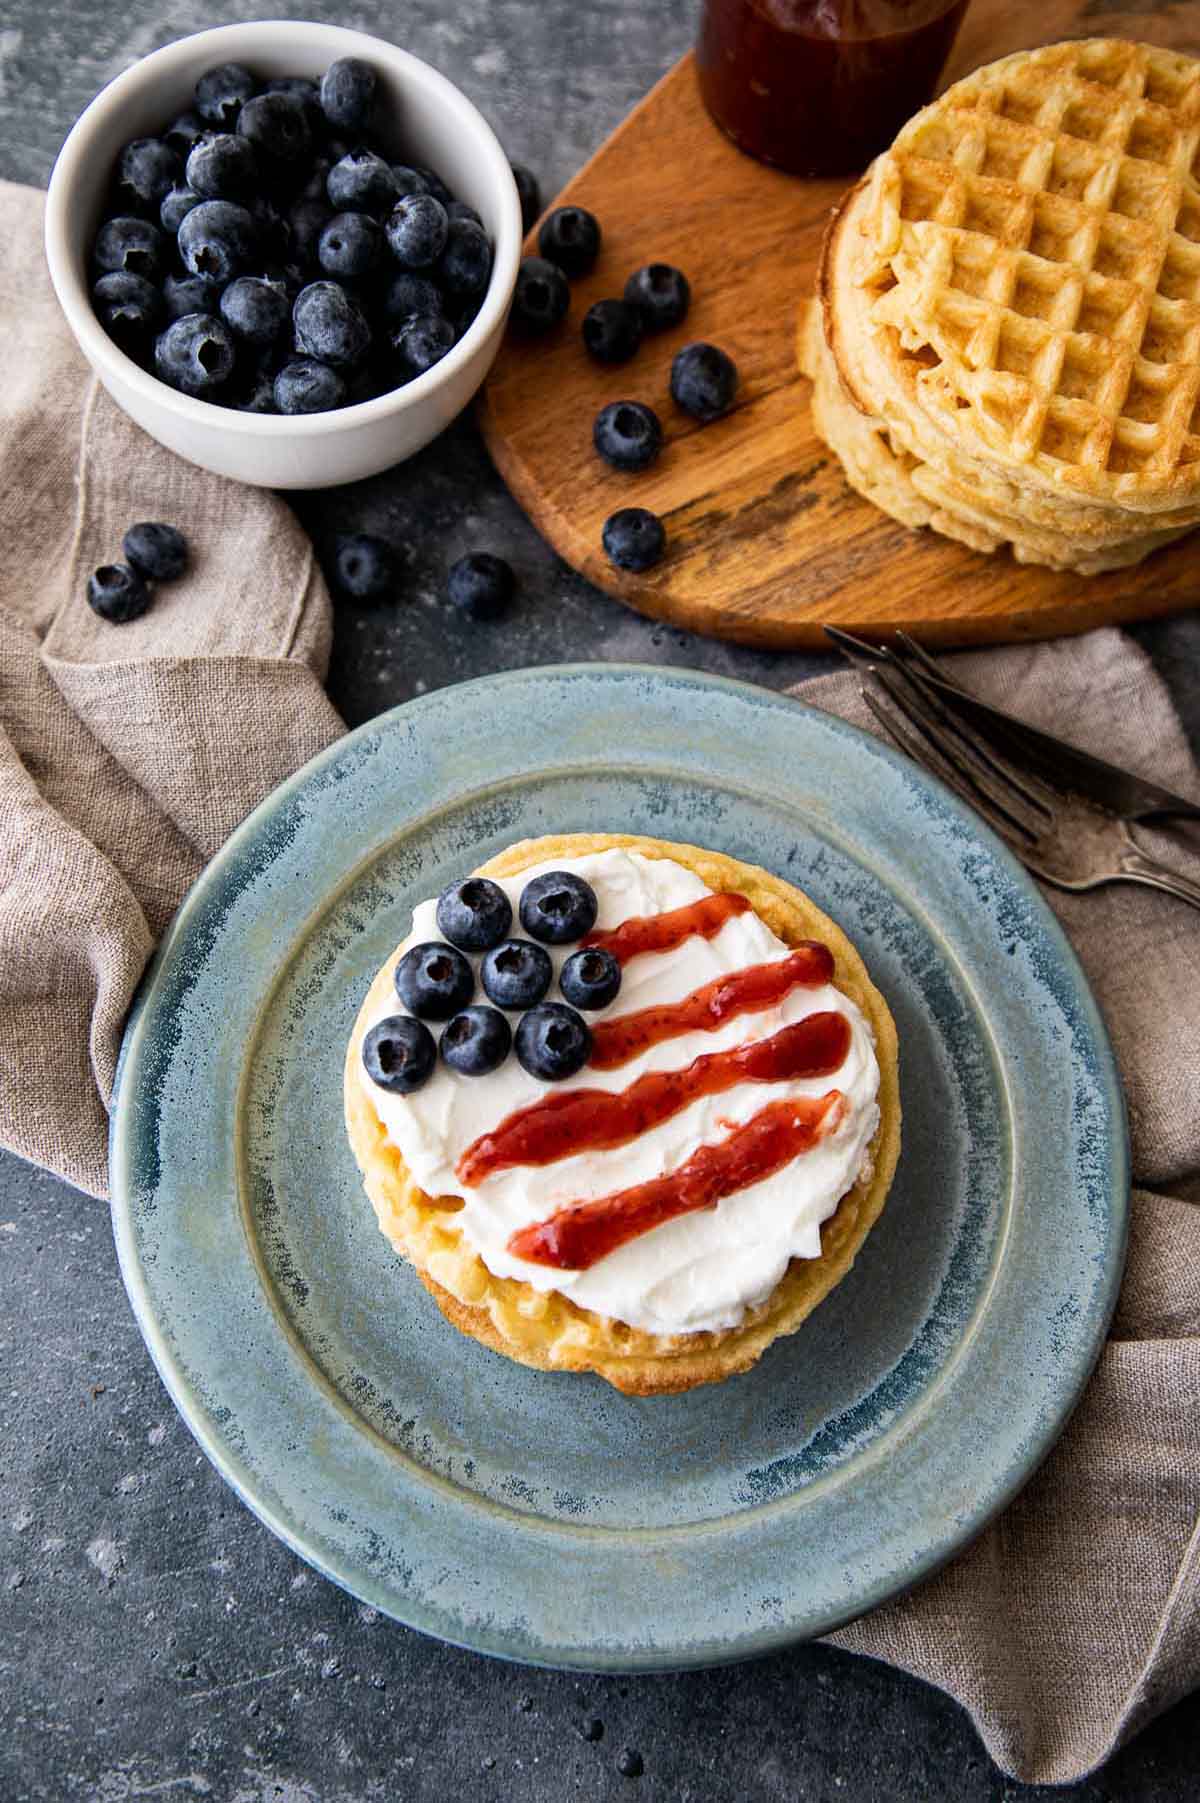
pixel 433 124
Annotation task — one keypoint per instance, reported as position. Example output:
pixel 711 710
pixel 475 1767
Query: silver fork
pixel 1070 839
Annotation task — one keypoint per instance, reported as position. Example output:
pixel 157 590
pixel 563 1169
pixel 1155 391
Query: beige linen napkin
pixel 1076 1617
pixel 127 753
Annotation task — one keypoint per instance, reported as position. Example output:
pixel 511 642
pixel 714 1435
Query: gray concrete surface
pixel 155 1640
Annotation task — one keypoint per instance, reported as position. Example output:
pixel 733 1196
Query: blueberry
pixel 305 385
pixel 306 221
pixel 541 298
pixel 434 980
pixel 314 179
pixel 276 126
pixel 217 239
pixel 299 88
pixel 423 341
pixel 476 1041
pixel 529 194
pixel 129 307
pixel 633 538
pixel 481 585
pixel 399 1054
pixel 703 381
pixel 661 295
pixel 461 209
pixel 474 914
pixel 183 133
pixel 570 237
pixel 117 593
pixel 416 231
pixel 465 268
pixel 191 294
pixel 558 907
pixel 364 567
pixel 146 170
pixel 274 232
pixel 222 92
pixel 157 552
pixel 195 354
pixel 612 331
pixel 260 396
pixel 627 435
pixel 590 979
pixel 348 94
pixel 256 309
pixel 222 166
pixel 361 182
pixel 175 206
pixel 409 297
pixel 329 324
pixel 414 181
pixel 630 1763
pixel 350 245
pixel 132 245
pixel 553 1042
pixel 516 974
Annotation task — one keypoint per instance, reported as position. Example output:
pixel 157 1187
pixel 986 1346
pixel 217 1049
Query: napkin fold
pixel 127 756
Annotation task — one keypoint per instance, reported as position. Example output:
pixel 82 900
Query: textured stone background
pixel 154 1639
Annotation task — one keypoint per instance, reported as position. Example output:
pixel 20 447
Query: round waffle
pixel 549 1331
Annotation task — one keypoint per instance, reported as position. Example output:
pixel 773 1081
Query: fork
pixel 1074 840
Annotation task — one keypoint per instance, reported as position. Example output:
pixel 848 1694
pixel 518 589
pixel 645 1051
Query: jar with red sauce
pixel 818 87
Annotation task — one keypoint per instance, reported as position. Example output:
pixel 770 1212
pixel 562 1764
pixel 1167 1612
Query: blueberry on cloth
pixel 465 266
pixel 590 978
pixel 329 324
pixel 474 914
pixel 399 1054
pixel 558 907
pixel 276 126
pixel 703 381
pixel 158 552
pixel 481 585
pixel 552 1042
pixel 218 239
pixel 183 133
pixel 661 294
pixel 627 435
pixel 175 206
pixel 633 538
pixel 416 231
pixel 256 308
pixel 133 245
pixel 434 980
pixel 129 307
pixel 348 94
pixel 409 297
pixel 612 331
pixel 516 974
pixel 146 169
pixel 476 1041
pixel 541 297
pixel 349 245
pixel 117 593
pixel 222 166
pixel 306 385
pixel 570 237
pixel 222 92
pixel 424 341
pixel 529 194
pixel 190 294
pixel 364 567
pixel 195 354
pixel 361 182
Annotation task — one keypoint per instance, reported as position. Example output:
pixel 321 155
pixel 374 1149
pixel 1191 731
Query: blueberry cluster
pixel 436 981
pixel 120 592
pixel 264 253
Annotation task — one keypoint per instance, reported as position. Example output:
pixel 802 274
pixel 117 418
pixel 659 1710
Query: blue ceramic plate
pixel 546 1517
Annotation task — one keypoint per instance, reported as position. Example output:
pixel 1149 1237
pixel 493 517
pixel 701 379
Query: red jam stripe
pixel 593 1120
pixel 701 919
pixel 577 1237
pixel 749 991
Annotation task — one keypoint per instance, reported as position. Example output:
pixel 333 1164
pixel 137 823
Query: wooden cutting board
pixel 766 540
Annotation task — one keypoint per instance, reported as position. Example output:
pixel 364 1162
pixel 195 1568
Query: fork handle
pixel 1140 869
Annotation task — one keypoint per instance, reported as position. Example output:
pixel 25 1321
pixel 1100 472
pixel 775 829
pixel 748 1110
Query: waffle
pixel 549 1331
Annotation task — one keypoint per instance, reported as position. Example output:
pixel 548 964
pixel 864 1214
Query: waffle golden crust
pixel 549 1332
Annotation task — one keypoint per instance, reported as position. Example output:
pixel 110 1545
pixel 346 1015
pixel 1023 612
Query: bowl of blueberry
pixel 287 250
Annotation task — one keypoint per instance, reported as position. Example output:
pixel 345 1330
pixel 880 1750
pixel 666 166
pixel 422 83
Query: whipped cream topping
pixel 703 1270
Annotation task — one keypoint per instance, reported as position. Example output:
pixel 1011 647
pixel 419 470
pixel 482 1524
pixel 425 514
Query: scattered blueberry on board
pixel 612 331
pixel 661 293
pixel 228 231
pixel 570 237
pixel 154 552
pixel 704 381
pixel 628 435
pixel 541 297
pixel 633 538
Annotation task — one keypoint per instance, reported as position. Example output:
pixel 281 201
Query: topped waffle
pixel 1033 240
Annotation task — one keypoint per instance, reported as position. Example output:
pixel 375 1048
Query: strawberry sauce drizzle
pixel 749 991
pixel 701 919
pixel 575 1238
pixel 590 1120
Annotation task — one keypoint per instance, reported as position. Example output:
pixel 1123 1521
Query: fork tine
pixel 920 656
pixel 912 747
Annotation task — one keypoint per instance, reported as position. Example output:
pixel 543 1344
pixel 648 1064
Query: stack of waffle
pixel 1005 344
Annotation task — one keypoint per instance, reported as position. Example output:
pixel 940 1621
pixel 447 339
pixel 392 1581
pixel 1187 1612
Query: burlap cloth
pixel 128 754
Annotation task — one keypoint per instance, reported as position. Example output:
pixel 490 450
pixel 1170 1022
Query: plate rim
pixel 366 1587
